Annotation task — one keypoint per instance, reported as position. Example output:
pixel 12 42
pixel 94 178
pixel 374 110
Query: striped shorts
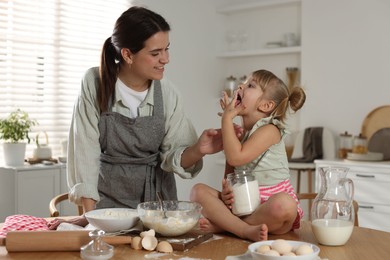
pixel 284 186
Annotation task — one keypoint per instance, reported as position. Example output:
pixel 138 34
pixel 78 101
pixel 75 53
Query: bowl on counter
pixel 178 217
pixel 113 219
pixel 301 250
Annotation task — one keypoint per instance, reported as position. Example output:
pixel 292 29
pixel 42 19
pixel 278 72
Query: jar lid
pixel 361 136
pixel 346 134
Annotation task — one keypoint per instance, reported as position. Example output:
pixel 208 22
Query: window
pixel 45 48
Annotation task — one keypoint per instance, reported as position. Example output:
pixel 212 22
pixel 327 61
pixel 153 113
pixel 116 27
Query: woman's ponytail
pixel 108 74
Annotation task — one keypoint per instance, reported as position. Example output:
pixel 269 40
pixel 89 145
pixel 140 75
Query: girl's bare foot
pixel 256 233
pixel 207 226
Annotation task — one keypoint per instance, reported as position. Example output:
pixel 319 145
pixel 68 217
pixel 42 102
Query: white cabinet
pixel 28 189
pixel 249 26
pixel 249 35
pixel 372 190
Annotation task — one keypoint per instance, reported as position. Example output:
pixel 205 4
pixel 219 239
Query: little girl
pixel 262 102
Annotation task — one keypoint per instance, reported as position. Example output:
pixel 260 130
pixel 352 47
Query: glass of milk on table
pixel 245 190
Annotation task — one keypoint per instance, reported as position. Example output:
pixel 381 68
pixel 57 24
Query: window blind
pixel 45 48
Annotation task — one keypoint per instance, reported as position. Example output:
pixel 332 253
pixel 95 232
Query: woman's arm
pixel 83 143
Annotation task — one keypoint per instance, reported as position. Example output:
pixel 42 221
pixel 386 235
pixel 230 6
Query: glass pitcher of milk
pixel 245 190
pixel 332 211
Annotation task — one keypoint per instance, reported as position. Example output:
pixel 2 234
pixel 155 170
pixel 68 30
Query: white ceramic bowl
pixel 258 256
pixel 181 216
pixel 113 219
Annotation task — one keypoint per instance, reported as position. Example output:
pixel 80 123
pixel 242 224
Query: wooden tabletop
pixel 364 244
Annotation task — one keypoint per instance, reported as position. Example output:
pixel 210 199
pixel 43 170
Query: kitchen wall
pixel 345 60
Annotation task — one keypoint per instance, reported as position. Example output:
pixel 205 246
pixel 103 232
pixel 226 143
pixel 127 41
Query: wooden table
pixel 364 244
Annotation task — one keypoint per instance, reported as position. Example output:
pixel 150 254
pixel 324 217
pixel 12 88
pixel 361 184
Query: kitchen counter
pixel 364 244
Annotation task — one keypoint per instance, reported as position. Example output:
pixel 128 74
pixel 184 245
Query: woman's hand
pixel 88 205
pixel 227 194
pixel 210 141
pixel 80 221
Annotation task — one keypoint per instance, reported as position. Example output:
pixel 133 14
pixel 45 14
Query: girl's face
pixel 150 61
pixel 250 95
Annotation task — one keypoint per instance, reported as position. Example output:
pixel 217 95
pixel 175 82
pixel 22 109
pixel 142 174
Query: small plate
pixel 370 156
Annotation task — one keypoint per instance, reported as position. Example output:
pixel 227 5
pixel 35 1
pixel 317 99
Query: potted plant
pixel 14 131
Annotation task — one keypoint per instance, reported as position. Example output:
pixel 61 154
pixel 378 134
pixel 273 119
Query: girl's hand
pixel 227 194
pixel 229 106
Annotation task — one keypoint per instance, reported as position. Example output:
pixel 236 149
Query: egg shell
pixel 149 243
pixel 272 252
pixel 263 248
pixel 304 249
pixel 136 243
pixel 164 247
pixel 289 254
pixel 150 232
pixel 282 246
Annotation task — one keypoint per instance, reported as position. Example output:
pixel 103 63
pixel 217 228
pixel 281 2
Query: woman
pixel 129 133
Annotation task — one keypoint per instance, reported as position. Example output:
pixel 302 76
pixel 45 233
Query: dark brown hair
pixel 131 30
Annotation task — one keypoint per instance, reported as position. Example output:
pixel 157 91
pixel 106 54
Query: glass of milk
pixel 245 190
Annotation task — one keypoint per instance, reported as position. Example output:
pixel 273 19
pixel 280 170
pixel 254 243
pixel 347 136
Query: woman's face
pixel 150 61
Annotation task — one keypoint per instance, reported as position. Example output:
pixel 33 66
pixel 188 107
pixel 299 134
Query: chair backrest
pixel 312 196
pixel 328 145
pixel 54 212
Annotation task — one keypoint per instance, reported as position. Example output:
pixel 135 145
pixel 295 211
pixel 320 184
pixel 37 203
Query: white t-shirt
pixel 131 98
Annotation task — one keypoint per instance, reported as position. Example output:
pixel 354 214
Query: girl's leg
pixel 278 213
pixel 219 215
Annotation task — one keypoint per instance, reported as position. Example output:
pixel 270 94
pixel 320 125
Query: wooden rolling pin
pixel 29 241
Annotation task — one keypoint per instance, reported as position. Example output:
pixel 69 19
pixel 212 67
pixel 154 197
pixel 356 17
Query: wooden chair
pixel 56 200
pixel 311 196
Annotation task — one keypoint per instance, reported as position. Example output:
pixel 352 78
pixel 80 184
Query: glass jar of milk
pixel 245 191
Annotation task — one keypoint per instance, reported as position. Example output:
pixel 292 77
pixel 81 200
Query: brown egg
pixel 149 243
pixel 164 247
pixel 136 243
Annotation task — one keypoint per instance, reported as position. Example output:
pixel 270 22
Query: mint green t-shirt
pixel 271 167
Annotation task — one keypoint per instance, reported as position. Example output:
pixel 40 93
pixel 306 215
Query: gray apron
pixel 130 171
